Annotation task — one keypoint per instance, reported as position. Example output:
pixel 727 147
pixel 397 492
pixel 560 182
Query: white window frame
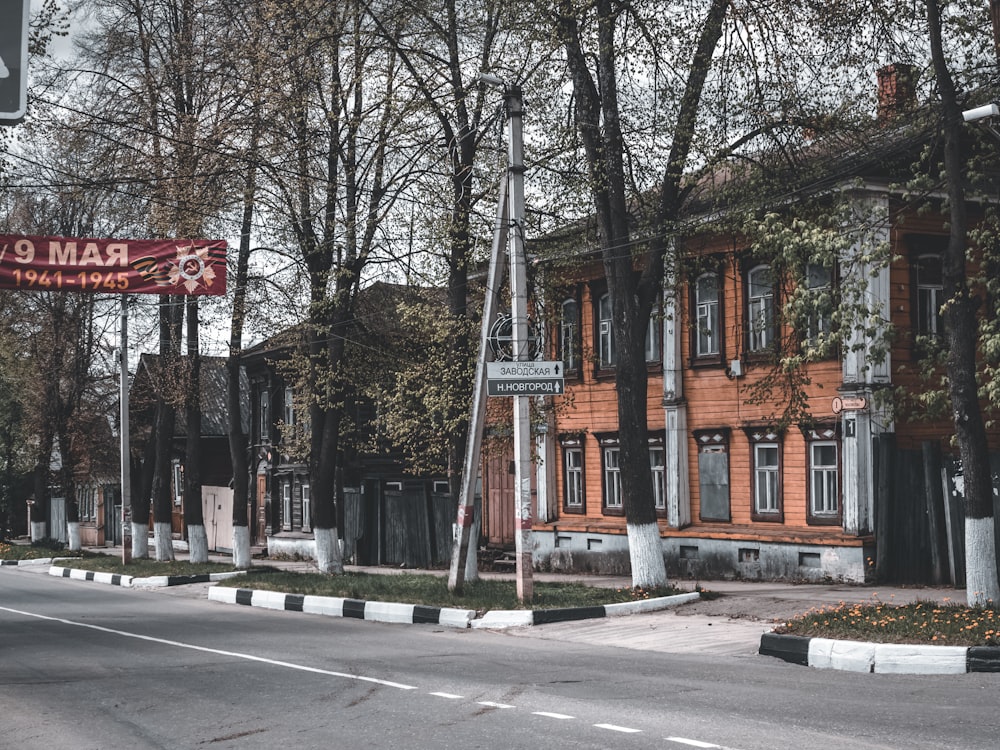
pixel 819 279
pixel 306 491
pixel 286 505
pixel 264 406
pixel 824 481
pixel 289 406
pixel 573 478
pixel 653 338
pixel 766 479
pixel 177 475
pixel 760 309
pixel 657 470
pixel 612 477
pixel 707 338
pixel 605 335
pixel 569 333
pixel 930 298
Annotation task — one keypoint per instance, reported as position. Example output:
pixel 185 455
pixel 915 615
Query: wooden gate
pixel 919 514
pixel 498 491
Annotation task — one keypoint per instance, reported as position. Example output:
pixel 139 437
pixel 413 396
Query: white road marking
pixel 616 728
pixel 331 673
pixel 219 652
pixel 694 743
pixel 552 715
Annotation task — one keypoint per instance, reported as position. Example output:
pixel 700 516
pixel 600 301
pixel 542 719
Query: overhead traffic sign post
pixel 13 60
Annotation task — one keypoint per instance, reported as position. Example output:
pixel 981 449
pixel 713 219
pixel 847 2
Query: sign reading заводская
pixel 112 266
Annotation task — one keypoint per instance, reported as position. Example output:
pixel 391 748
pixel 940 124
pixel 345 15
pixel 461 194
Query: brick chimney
pixel 897 91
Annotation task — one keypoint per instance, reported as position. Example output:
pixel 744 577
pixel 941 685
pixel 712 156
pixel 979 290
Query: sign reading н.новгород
pixel 530 378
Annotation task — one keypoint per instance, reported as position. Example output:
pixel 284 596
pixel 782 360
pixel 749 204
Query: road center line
pixel 552 715
pixel 694 743
pixel 616 728
pixel 449 696
pixel 219 652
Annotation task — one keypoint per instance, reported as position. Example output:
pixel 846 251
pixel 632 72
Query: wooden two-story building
pixel 854 483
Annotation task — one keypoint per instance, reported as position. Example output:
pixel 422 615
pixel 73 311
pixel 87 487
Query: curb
pixel 340 607
pixel 498 619
pixel 117 579
pixel 114 579
pixel 883 658
pixel 35 561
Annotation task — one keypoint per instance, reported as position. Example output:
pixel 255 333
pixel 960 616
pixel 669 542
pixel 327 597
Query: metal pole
pixel 126 473
pixel 519 313
pixel 474 442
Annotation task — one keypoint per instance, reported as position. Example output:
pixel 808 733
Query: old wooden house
pixel 385 512
pixel 849 487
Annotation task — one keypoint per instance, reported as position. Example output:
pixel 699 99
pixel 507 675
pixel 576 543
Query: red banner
pixel 106 266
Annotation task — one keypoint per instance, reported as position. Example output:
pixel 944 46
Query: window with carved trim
pixel 605 338
pixel 657 471
pixel 611 477
pixel 569 335
pixel 930 294
pixel 761 323
pixel 574 499
pixel 306 507
pixel 824 486
pixel 765 467
pixel 713 474
pixel 707 337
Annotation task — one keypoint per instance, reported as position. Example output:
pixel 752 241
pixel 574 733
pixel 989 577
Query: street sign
pixel 531 378
pixel 13 60
pixel 543 387
pixel 848 403
pixel 529 370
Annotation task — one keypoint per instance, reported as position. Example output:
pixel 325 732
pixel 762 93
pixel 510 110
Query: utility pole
pixel 510 232
pixel 519 314
pixel 126 469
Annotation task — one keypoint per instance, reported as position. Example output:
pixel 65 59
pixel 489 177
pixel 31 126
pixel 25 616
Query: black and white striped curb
pixel 519 617
pixel 36 561
pixel 416 613
pixel 117 579
pixel 339 607
pixel 885 658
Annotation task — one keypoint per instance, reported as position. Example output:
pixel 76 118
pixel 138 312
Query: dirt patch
pixel 755 608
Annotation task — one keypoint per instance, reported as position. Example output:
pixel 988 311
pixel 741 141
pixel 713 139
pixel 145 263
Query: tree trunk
pixel 234 400
pixel 961 326
pixel 171 320
pixel 194 515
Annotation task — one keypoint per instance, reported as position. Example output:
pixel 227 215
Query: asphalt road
pixel 85 665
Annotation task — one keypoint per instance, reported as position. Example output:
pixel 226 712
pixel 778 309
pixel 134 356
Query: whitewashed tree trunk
pixel 646 554
pixel 241 547
pixel 329 558
pixel 163 541
pixel 38 530
pixel 73 536
pixel 140 541
pixel 197 544
pixel 981 585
